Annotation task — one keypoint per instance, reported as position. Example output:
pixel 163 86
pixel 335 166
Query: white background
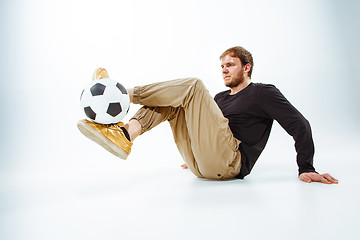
pixel 56 184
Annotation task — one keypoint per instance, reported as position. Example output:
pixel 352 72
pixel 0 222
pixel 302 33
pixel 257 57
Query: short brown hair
pixel 241 53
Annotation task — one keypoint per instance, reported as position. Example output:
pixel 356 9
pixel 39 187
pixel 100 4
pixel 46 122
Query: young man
pixel 218 139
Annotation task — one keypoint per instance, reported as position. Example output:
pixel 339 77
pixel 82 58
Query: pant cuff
pixel 136 95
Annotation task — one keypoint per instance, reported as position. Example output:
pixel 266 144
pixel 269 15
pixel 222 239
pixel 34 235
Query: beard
pixel 236 81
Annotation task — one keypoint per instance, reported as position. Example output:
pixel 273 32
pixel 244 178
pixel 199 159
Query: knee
pixel 197 83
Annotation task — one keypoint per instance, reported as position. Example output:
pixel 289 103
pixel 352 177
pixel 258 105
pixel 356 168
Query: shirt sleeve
pixel 277 107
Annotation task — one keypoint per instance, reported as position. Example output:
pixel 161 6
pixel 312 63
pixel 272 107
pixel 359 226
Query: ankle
pixel 134 129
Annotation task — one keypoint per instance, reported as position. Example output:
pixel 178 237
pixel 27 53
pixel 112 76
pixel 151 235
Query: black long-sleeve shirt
pixel 251 113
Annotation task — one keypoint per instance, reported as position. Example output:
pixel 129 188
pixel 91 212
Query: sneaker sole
pixel 97 137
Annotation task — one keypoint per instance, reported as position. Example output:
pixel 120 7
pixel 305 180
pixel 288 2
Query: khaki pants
pixel 200 130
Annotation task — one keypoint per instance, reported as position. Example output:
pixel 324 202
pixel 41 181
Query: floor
pixel 83 192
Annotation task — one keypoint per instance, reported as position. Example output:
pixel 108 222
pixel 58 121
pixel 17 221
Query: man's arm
pixel 279 108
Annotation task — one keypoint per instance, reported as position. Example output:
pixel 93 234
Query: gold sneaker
pixel 110 137
pixel 100 73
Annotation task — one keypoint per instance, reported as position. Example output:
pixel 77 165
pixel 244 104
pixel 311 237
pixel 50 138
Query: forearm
pixel 304 146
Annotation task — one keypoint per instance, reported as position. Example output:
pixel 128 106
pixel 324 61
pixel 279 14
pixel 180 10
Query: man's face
pixel 232 71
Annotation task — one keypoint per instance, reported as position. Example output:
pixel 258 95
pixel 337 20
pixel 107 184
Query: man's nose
pixel 225 70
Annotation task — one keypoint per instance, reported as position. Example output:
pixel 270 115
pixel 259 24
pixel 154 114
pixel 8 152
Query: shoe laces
pixel 116 126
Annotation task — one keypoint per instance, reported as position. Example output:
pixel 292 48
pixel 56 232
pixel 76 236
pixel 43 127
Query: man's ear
pixel 247 67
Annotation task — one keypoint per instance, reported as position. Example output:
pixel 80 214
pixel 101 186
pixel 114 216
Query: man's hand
pixel 315 177
pixel 184 166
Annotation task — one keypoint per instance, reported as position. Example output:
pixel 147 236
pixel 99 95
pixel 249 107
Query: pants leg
pixel 149 117
pixel 201 132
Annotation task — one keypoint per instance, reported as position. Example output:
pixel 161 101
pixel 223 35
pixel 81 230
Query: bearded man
pixel 218 138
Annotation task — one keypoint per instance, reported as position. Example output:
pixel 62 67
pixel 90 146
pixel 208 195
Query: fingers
pixel 330 178
pixel 324 180
pixel 184 166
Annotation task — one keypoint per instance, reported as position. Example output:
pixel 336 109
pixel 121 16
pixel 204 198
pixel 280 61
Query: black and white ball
pixel 105 101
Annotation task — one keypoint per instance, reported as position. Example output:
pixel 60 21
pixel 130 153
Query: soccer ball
pixel 105 101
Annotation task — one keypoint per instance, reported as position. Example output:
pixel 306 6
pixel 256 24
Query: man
pixel 218 139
